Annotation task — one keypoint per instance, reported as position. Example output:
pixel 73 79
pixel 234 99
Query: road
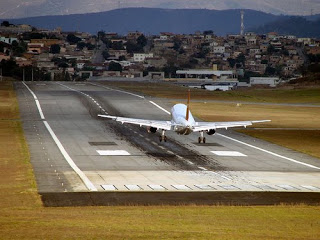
pixel 72 150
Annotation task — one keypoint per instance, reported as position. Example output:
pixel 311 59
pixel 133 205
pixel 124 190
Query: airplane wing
pixel 206 126
pixel 166 125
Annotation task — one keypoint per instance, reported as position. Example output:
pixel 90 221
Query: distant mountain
pixel 297 26
pixel 31 8
pixel 153 21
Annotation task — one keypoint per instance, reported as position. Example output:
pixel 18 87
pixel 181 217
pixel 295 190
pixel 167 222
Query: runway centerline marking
pixel 78 91
pixel 67 157
pixel 269 152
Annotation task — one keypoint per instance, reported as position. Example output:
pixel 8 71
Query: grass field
pixel 22 215
pixel 166 90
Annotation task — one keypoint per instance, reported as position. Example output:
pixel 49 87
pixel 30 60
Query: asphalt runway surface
pixel 73 150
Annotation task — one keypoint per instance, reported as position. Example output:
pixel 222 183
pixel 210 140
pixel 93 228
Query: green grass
pixel 22 215
pixel 166 90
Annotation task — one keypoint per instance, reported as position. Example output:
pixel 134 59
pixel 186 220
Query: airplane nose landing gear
pixel 163 137
pixel 201 139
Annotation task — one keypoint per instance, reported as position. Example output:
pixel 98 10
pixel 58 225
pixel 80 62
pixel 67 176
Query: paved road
pixel 68 143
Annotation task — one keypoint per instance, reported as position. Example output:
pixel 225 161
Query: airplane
pixel 182 122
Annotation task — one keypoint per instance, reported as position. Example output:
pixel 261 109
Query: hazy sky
pixel 19 8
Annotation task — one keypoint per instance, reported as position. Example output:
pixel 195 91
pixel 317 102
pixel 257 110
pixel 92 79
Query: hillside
pixel 297 26
pixel 153 21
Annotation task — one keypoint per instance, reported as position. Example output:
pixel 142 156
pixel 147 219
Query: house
pixel 8 40
pixel 219 49
pixel 140 57
pixel 35 48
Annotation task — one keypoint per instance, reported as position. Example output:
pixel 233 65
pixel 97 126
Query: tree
pixel 142 41
pixel 208 32
pixel 241 59
pixel 5 24
pixel 55 48
pixel 72 39
pixel 81 45
pixel 105 54
pixel 114 66
pixel 118 45
pixel 232 62
pixel 270 71
pixel 271 49
pixel 101 34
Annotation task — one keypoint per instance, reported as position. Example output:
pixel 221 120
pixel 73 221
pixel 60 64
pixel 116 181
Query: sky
pixel 19 8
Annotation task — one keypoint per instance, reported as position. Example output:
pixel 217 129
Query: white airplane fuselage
pixel 181 124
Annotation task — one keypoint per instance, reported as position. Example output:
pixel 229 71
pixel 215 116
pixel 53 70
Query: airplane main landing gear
pixel 163 137
pixel 201 139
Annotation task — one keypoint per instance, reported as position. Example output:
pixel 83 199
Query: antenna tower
pixel 242 23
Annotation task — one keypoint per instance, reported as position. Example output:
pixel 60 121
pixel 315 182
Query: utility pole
pixel 23 74
pixel 32 73
pixel 242 23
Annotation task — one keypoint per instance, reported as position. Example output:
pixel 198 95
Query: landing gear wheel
pixel 204 140
pixel 199 140
pixel 165 138
pixel 160 138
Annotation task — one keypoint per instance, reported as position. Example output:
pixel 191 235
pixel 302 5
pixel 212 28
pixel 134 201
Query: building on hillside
pixel 8 40
pixel 140 57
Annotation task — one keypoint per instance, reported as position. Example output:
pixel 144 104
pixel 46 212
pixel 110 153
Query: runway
pixel 72 150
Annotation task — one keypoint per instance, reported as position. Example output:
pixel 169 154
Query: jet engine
pixel 152 129
pixel 211 132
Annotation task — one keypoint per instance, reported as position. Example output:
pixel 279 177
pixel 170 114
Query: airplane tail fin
pixel 188 105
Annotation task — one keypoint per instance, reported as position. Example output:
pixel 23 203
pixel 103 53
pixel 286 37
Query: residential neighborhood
pixel 28 53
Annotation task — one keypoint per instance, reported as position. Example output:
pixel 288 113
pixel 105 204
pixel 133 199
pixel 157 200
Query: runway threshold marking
pixel 269 152
pixel 67 157
pixel 113 153
pixel 228 153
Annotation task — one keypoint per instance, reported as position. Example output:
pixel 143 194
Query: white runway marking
pixel 203 168
pixel 82 176
pixel 181 187
pixel 160 107
pixel 269 152
pixel 72 89
pixel 204 187
pixel 156 187
pixel 113 152
pixel 228 153
pixel 35 99
pixel 116 90
pixel 133 187
pixel 310 187
pixel 109 187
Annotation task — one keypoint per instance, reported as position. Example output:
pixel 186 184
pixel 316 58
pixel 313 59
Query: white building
pixel 140 57
pixel 208 74
pixel 271 81
pixel 8 40
pixel 219 49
